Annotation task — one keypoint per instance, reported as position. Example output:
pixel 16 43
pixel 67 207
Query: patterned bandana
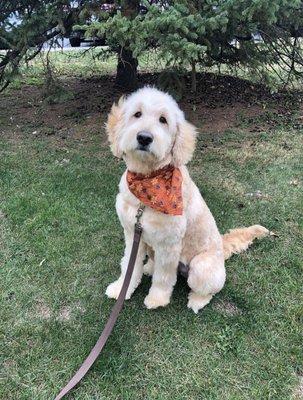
pixel 160 190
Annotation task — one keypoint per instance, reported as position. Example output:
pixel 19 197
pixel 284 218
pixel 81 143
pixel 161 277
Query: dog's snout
pixel 144 138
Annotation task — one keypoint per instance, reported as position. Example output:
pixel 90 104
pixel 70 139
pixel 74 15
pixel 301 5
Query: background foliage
pixel 256 35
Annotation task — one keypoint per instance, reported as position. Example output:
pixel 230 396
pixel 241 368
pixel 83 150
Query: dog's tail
pixel 237 240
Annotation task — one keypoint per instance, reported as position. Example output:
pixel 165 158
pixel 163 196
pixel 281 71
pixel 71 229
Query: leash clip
pixel 138 216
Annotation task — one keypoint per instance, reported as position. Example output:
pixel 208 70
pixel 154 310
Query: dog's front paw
pixel 156 298
pixel 113 290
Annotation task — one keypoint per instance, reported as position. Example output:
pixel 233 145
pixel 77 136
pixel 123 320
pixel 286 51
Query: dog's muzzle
pixel 144 139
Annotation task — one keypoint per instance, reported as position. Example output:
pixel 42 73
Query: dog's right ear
pixel 113 125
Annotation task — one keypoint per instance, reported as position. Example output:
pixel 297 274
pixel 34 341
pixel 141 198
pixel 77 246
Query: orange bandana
pixel 160 190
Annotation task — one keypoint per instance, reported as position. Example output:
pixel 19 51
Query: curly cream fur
pixel 113 125
pixel 193 237
pixel 237 240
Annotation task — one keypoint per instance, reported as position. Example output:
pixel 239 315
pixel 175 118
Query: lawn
pixel 61 243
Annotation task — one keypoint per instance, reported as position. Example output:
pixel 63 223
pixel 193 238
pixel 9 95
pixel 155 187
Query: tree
pixel 246 34
pixel 25 26
pixel 185 33
pixel 127 65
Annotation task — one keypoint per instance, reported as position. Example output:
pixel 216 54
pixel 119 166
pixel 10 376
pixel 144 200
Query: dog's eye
pixel 138 114
pixel 162 120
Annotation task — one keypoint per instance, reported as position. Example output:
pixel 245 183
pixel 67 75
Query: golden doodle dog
pixel 149 131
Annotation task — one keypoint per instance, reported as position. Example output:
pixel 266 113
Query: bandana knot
pixel 160 190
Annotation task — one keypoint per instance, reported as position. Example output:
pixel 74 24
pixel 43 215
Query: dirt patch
pixel 223 118
pixel 9 365
pixel 2 214
pixel 228 308
pixel 42 310
pixel 298 392
pixel 66 312
pixel 221 103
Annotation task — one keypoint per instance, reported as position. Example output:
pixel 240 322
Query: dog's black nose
pixel 144 138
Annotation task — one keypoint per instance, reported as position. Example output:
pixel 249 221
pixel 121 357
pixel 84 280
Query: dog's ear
pixel 113 125
pixel 184 146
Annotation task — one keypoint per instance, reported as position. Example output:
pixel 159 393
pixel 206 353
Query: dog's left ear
pixel 113 126
pixel 184 146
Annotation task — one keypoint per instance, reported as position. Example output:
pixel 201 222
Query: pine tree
pixel 186 34
pixel 127 65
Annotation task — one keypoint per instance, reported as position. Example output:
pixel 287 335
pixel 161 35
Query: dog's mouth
pixel 144 154
pixel 145 149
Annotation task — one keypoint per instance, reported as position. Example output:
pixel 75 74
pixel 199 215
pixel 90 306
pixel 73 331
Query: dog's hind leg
pixel 205 278
pixel 196 302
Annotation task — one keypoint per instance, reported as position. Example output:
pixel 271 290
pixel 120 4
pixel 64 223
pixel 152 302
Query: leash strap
pixel 93 355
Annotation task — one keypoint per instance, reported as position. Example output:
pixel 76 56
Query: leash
pixel 95 352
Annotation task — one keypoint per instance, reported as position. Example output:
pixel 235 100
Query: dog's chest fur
pixel 158 228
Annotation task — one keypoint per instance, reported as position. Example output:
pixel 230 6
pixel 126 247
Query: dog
pixel 149 131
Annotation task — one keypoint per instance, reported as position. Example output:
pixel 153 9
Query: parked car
pixel 77 36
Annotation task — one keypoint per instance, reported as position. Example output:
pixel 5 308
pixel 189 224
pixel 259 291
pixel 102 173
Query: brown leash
pixel 93 355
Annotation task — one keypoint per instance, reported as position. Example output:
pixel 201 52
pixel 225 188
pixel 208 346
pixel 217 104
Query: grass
pixel 89 62
pixel 61 244
pixel 81 63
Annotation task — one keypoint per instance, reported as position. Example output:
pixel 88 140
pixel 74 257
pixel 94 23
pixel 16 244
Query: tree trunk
pixel 126 70
pixel 193 77
pixel 127 65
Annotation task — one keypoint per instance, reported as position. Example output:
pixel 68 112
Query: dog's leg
pixel 206 277
pixel 114 288
pixel 148 268
pixel 196 302
pixel 164 276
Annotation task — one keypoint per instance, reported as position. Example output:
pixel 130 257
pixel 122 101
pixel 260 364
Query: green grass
pixel 97 61
pixel 60 246
pixel 81 63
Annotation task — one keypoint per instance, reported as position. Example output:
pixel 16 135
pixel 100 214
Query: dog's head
pixel 149 130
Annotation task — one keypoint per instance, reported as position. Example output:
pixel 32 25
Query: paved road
pixel 64 43
pixel 65 46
